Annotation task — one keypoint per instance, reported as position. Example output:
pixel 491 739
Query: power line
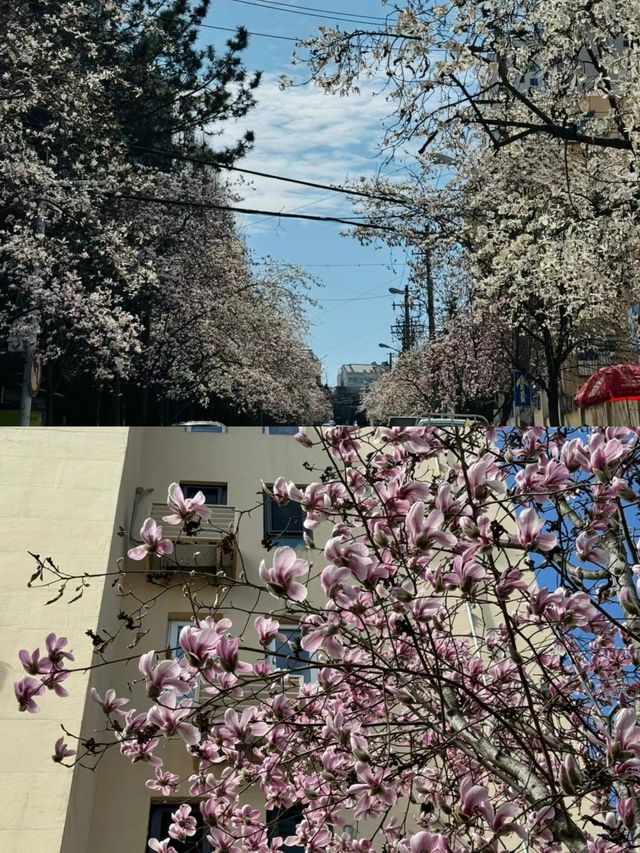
pixel 325 11
pixel 313 184
pixel 250 33
pixel 351 299
pixel 353 222
pixel 299 39
pixel 306 14
pixel 302 264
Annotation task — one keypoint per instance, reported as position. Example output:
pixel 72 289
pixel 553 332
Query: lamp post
pixel 406 326
pixel 393 349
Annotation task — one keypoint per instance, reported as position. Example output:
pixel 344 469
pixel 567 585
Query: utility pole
pixel 406 331
pixel 431 314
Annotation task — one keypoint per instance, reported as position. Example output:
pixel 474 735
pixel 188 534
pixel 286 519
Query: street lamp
pixel 393 349
pixel 406 328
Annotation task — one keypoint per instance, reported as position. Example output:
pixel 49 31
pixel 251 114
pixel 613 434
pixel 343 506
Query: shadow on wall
pixel 4 669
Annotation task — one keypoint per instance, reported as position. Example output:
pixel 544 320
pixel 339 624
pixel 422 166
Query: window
pixel 214 493
pixel 201 426
pixel 284 822
pixel 287 654
pixel 160 820
pixel 281 430
pixel 283 523
pixel 175 650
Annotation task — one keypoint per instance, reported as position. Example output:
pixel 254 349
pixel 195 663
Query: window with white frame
pixel 214 493
pixel 175 650
pixel 283 523
pixel 288 655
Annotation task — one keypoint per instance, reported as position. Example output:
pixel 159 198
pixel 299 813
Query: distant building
pixel 359 376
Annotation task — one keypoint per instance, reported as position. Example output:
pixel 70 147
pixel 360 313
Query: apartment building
pixel 80 496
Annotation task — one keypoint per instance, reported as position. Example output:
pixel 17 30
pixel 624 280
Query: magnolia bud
pixel 405 697
pixel 570 776
pixel 626 810
pixel 304 439
pixel 381 539
pixel 629 602
pixel 359 748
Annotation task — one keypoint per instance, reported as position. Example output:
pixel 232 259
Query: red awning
pixel 610 384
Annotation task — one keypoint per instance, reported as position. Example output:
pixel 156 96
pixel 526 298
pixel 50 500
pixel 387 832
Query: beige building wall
pixel 60 493
pixel 69 490
pixel 240 458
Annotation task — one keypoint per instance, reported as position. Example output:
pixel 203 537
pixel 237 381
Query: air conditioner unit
pixel 293 682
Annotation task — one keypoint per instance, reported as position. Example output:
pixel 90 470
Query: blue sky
pixel 303 133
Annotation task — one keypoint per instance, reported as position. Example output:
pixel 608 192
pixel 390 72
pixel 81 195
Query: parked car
pixel 437 420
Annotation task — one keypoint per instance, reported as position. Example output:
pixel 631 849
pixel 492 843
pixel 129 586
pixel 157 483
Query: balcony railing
pixel 210 532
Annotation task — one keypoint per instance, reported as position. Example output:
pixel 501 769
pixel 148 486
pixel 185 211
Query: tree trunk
pixel 553 380
pixel 553 397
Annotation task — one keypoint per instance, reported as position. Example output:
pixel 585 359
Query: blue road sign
pixel 521 389
pixel 634 326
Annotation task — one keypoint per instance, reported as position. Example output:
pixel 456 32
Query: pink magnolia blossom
pixel 528 532
pixel 426 533
pixel 280 578
pixel 33 663
pixel 241 729
pixel 169 718
pixel 373 790
pixel 185 509
pixel 482 477
pixel 62 751
pixel 268 630
pixel 53 681
pixel 303 439
pixel 138 751
pixel 479 532
pixel 199 644
pixel 588 549
pixel 604 454
pixel 279 494
pixel 110 703
pixel 314 500
pixel 161 846
pixel 466 572
pixel 166 675
pixel 625 737
pixel 25 690
pixel 428 842
pixel 165 782
pixel 55 649
pixel 183 824
pixel 228 656
pixel 151 536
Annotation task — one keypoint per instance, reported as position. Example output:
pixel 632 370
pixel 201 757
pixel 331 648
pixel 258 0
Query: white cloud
pixel 306 134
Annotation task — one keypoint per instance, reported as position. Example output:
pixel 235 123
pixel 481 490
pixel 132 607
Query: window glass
pixel 282 430
pixel 160 820
pixel 175 626
pixel 287 654
pixel 284 822
pixel 213 493
pixel 284 523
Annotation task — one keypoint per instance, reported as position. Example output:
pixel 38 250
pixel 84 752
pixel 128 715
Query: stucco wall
pixel 60 490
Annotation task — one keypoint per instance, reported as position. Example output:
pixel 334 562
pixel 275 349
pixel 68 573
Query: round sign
pixel 35 374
